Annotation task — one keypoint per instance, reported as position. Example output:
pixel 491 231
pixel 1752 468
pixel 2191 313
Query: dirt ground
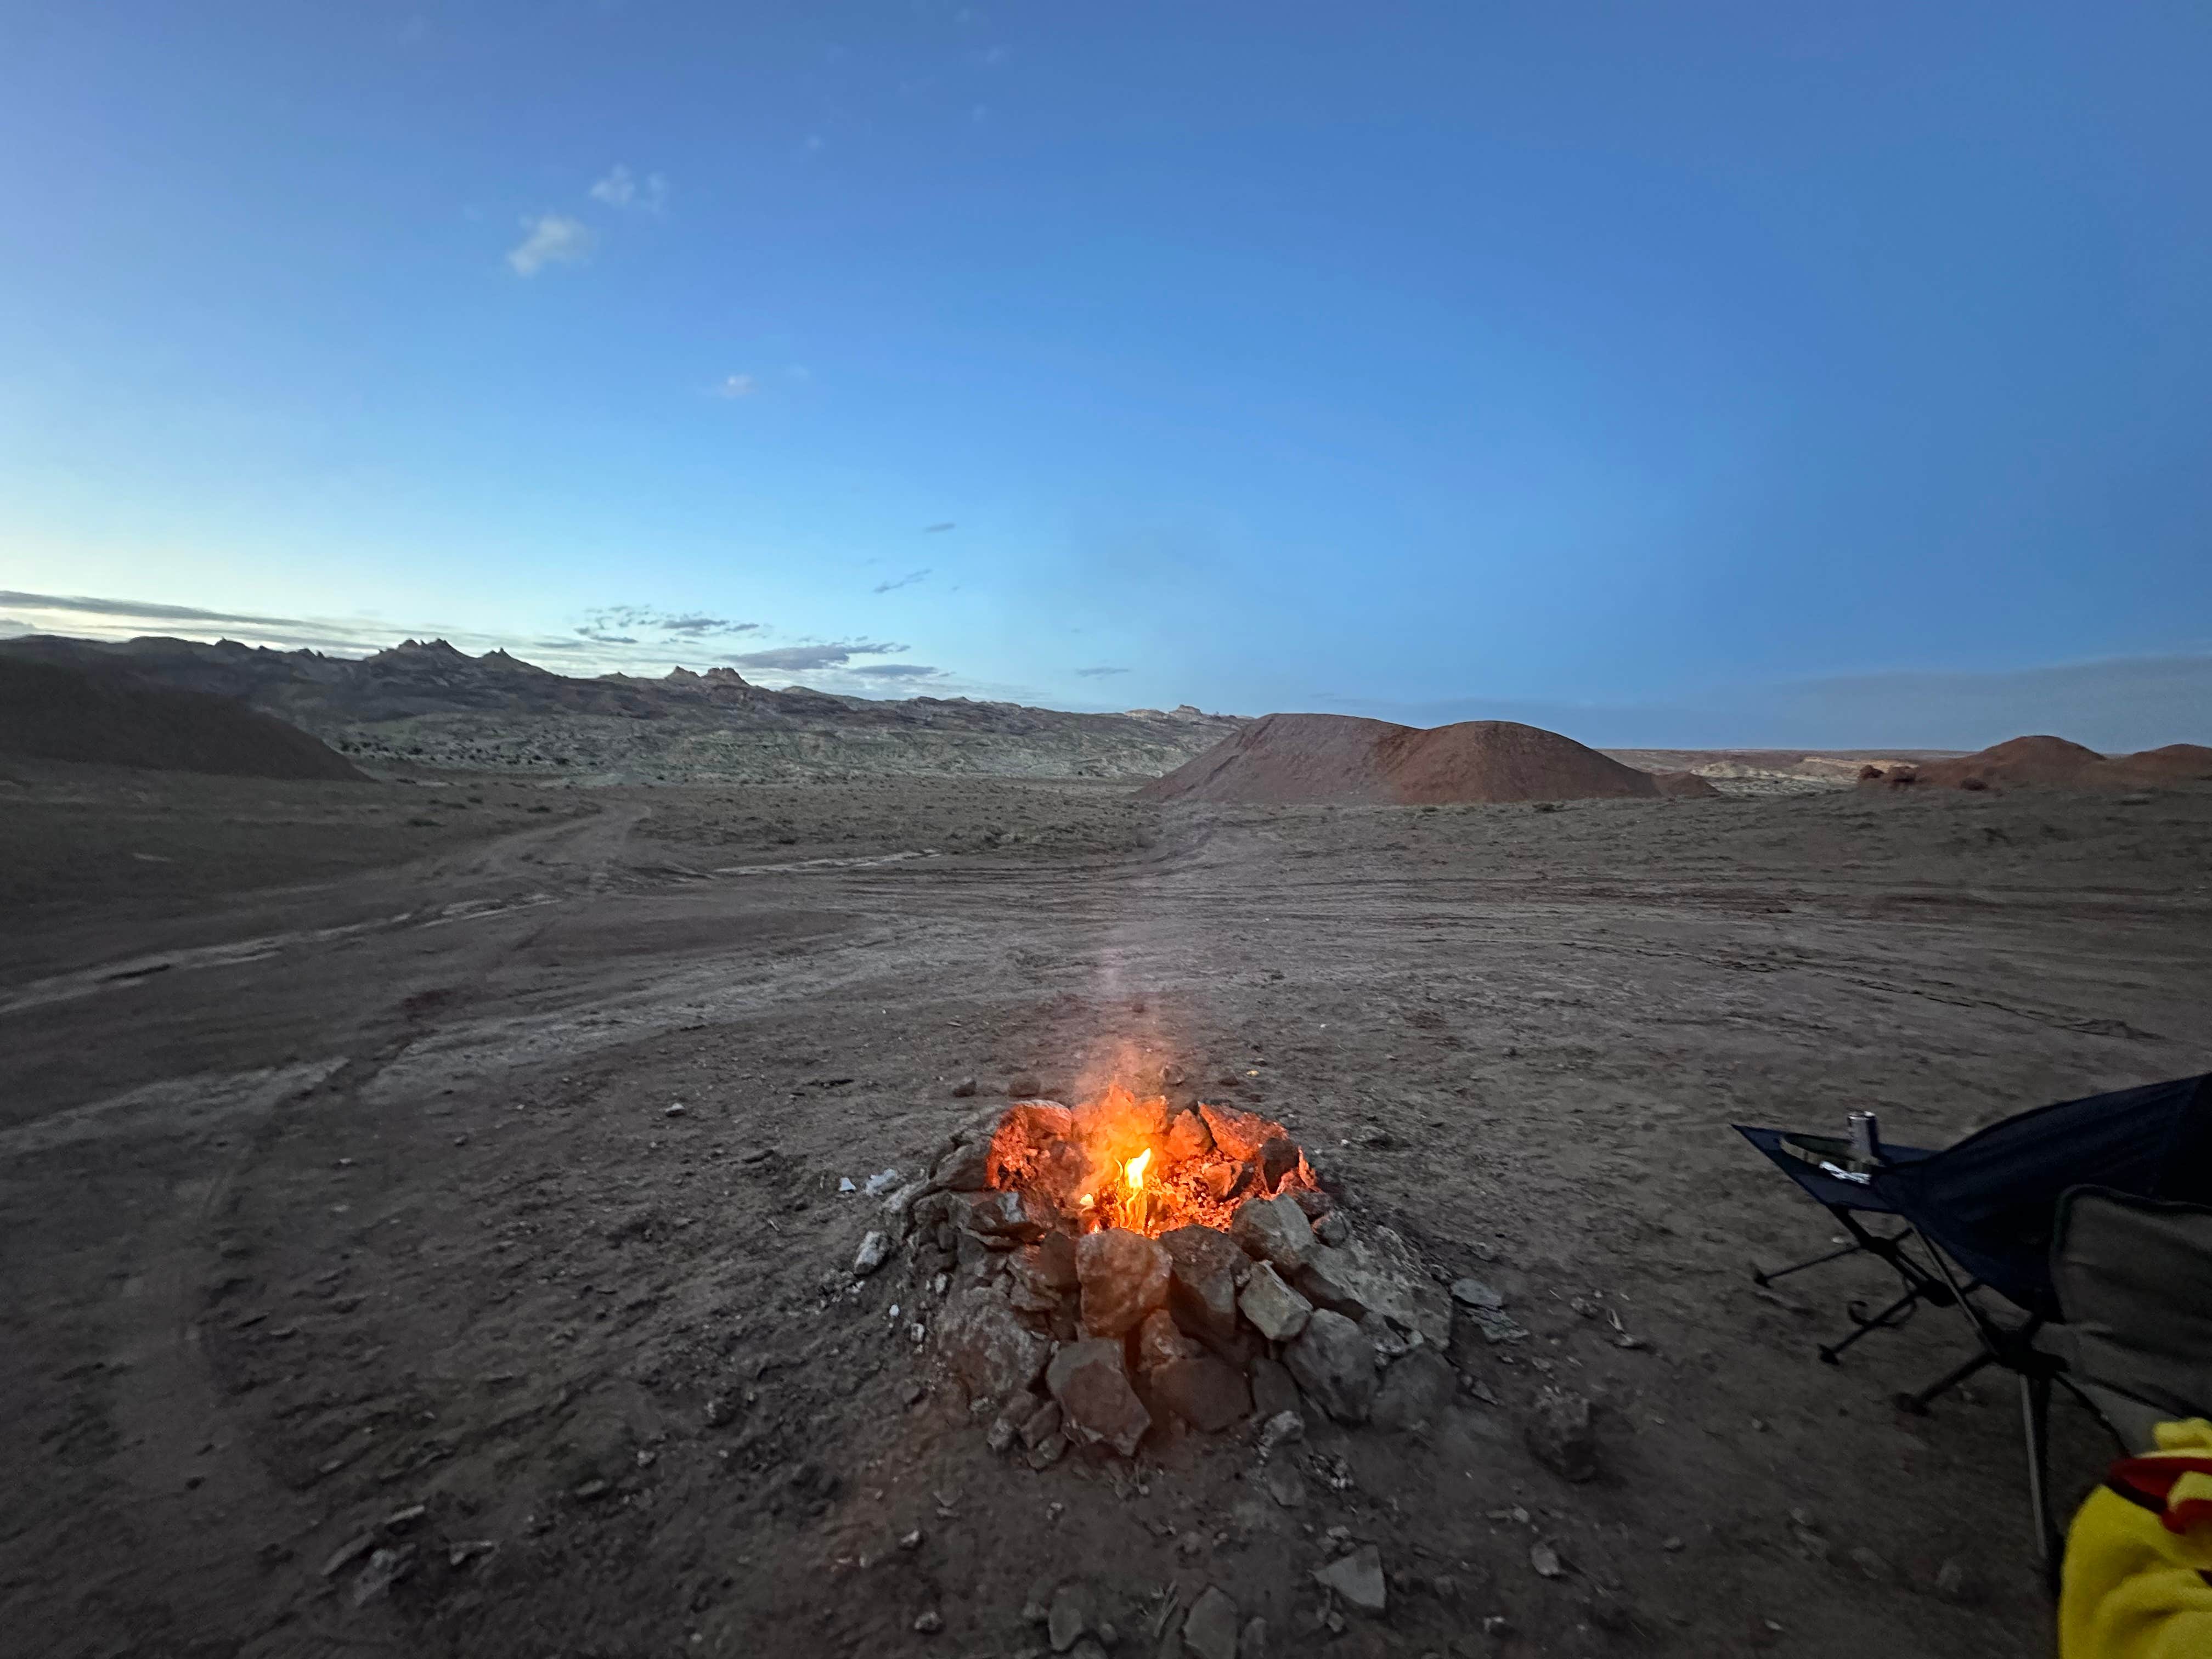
pixel 347 1232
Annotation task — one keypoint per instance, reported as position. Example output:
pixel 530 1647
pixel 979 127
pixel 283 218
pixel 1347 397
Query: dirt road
pixel 366 1292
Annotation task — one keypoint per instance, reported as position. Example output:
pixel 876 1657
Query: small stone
pixel 912 1540
pixel 1474 1293
pixel 929 1623
pixel 1559 1434
pixel 965 1169
pixel 1158 1341
pixel 1239 1134
pixel 1000 1437
pixel 1204 1267
pixel 348 1553
pixel 1357 1579
pixel 1252 1640
pixel 1106 1634
pixel 1546 1560
pixel 1223 1180
pixel 675 1110
pixel 1498 1327
pixel 1023 1085
pixel 1274 1230
pixel 1047 1452
pixel 1871 1565
pixel 1332 1229
pixel 874 1250
pixel 1282 1429
pixel 999 1218
pixel 1415 1391
pixel 1188 1138
pixel 1125 1276
pixel 1285 1485
pixel 1209 1632
pixel 1043 1425
pixel 589 1490
pixel 1671 1544
pixel 1335 1364
pixel 1069 1619
pixel 1203 1392
pixel 1273 1389
pixel 963 1088
pixel 1098 1405
pixel 1277 1312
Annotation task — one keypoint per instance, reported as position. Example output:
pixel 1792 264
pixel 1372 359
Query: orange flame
pixel 1134 1170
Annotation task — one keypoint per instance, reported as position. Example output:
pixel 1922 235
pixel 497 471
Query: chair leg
pixel 2035 1420
pixel 1880 1322
pixel 1762 1279
pixel 1918 1403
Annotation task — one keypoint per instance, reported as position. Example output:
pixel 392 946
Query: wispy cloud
pixel 897 670
pixel 1097 673
pixel 620 624
pixel 736 386
pixel 907 580
pixel 621 188
pixel 798 659
pixel 553 238
pixel 936 528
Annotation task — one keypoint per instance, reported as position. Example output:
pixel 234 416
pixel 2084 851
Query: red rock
pixel 1097 1406
pixel 1188 1137
pixel 988 1347
pixel 1206 1266
pixel 1203 1392
pixel 1125 1276
pixel 1237 1133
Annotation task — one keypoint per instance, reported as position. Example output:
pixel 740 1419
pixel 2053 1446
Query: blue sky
pixel 1660 363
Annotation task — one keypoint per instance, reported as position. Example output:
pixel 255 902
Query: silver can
pixel 1866 1138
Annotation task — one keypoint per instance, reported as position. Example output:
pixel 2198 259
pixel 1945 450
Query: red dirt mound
pixel 1290 759
pixel 1685 786
pixel 2049 762
pixel 50 712
pixel 2177 762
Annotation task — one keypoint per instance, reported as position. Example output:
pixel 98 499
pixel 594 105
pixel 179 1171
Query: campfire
pixel 1125 1161
pixel 1112 1265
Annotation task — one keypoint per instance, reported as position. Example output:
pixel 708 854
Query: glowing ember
pixel 1126 1160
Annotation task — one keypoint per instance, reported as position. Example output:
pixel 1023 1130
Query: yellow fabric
pixel 2134 1590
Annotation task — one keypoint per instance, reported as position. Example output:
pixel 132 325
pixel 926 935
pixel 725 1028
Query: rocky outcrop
pixel 422 703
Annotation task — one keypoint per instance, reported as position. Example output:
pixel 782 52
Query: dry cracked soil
pixel 366 1292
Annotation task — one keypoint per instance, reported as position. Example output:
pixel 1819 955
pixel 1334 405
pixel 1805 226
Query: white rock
pixel 875 1248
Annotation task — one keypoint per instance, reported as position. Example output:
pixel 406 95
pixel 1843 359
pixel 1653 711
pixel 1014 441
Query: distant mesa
pixel 1299 759
pixel 113 717
pixel 424 704
pixel 2047 762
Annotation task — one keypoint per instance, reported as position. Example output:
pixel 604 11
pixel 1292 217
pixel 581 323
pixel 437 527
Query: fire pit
pixel 1109 1266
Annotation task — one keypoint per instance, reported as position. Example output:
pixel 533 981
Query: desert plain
pixel 423 1230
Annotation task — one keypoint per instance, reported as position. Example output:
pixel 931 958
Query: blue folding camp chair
pixel 1983 1214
